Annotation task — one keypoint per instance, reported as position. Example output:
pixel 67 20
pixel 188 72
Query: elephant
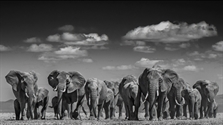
pixel 156 84
pixel 118 101
pixel 97 94
pixel 69 87
pixel 129 91
pixel 24 88
pixel 208 91
pixel 41 103
pixel 194 102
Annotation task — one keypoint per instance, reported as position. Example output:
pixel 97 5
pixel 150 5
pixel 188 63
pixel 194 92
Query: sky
pixel 109 40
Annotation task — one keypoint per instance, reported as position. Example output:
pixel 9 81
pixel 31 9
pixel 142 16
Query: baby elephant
pixel 194 103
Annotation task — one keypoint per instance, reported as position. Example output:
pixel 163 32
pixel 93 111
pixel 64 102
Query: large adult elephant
pixel 69 87
pixel 118 101
pixel 129 91
pixel 24 88
pixel 41 103
pixel 98 95
pixel 208 91
pixel 155 84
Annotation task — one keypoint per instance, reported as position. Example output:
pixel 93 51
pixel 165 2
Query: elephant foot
pixel 160 118
pixel 147 118
pixel 167 118
pixel 153 119
pixel 91 118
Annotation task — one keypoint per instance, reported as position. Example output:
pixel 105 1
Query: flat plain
pixel 9 118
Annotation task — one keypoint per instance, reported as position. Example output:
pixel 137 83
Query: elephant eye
pixel 160 80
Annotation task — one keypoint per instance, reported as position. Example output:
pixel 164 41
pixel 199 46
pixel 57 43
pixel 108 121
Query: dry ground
pixel 9 118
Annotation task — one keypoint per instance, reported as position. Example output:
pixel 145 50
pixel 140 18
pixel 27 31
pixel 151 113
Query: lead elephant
pixel 129 91
pixel 208 91
pixel 24 88
pixel 98 95
pixel 69 87
pixel 155 83
pixel 118 101
pixel 41 103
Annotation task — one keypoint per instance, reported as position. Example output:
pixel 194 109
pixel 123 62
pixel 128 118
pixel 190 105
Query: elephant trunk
pixel 192 107
pixel 93 103
pixel 179 99
pixel 59 103
pixel 152 98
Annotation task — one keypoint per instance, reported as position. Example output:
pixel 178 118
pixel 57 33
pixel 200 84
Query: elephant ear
pixel 170 77
pixel 52 78
pixel 14 78
pixel 76 81
pixel 41 94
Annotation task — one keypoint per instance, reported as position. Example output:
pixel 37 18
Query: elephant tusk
pixel 64 89
pixel 55 89
pixel 146 97
pixel 208 100
pixel 157 92
pixel 183 102
pixel 27 95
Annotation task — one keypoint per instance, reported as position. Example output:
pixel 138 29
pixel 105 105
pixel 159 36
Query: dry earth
pixel 9 118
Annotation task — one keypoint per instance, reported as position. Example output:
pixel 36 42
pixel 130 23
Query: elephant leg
pixel 179 110
pixel 22 105
pixel 185 110
pixel 120 110
pixel 126 111
pixel 172 107
pixel 201 111
pixel 100 105
pixel 107 110
pixel 45 105
pixel 196 111
pixel 211 110
pixel 17 109
pixel 146 110
pixel 160 107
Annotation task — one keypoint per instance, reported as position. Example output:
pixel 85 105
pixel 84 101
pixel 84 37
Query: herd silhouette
pixel 164 94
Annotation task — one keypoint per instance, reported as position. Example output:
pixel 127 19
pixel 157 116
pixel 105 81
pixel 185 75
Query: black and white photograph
pixel 111 62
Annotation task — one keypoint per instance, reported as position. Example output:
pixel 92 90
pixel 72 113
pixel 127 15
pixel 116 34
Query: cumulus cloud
pixel 218 46
pixel 145 62
pixel 66 28
pixel 86 60
pixel 4 48
pixel 32 40
pixel 190 68
pixel 168 32
pixel 53 38
pixel 121 67
pixel 90 39
pixel 62 54
pixel 209 54
pixel 184 45
pixel 144 49
pixel 40 48
pixel 133 43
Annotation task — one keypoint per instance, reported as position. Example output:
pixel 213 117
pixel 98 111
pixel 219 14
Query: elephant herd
pixel 164 94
